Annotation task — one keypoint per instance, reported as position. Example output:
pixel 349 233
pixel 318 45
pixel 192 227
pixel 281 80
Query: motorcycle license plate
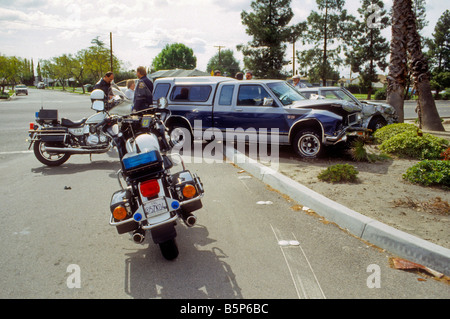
pixel 155 207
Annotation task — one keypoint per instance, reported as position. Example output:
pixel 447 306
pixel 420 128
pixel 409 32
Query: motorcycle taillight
pixel 149 188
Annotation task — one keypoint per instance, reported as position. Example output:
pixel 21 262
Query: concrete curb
pixel 393 240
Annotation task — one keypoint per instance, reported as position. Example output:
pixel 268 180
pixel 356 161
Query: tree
pixel 14 70
pixel 268 25
pixel 78 69
pixel 39 73
pixel 9 70
pixel 97 60
pixel 420 13
pixel 175 56
pixel 418 7
pixel 439 53
pixel 406 39
pixel 326 27
pixel 26 71
pixel 369 49
pixel 58 68
pixel 398 69
pixel 225 62
pixel 315 68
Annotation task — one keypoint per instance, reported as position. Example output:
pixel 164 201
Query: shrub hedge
pixel 429 173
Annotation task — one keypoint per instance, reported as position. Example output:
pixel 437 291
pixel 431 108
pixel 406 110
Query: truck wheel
pixel 46 158
pixel 180 135
pixel 308 144
pixel 376 123
pixel 169 249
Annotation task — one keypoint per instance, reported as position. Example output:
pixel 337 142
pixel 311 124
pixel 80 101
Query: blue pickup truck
pixel 249 107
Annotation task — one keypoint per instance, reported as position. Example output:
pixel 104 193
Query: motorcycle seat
pixel 69 123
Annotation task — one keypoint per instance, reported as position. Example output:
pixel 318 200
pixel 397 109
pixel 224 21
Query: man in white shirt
pixel 296 82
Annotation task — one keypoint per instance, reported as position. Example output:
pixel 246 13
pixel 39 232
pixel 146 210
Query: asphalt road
pixel 249 242
pixel 442 106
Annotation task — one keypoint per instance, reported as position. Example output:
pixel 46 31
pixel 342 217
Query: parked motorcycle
pixel 153 198
pixel 55 141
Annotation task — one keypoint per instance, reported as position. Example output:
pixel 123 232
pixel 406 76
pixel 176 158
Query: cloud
pixel 140 28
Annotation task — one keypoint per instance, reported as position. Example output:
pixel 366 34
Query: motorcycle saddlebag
pixel 53 134
pixel 137 165
pixel 181 180
pixel 122 198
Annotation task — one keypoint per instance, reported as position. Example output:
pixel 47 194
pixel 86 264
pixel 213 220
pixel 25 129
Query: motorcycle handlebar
pixel 150 110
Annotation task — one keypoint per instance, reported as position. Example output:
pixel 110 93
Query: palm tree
pixel 428 115
pixel 406 43
pixel 398 59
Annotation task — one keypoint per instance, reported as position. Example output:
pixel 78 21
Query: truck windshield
pixel 285 92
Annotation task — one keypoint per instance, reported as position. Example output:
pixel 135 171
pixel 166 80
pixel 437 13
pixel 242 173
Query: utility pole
pixel 293 57
pixel 220 48
pixel 111 51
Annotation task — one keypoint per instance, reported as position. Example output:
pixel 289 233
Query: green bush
pixel 409 144
pixel 339 173
pixel 446 94
pixel 380 94
pixel 388 131
pixel 429 172
pixel 359 153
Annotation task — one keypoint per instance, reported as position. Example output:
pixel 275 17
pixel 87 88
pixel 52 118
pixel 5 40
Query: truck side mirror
pixel 268 101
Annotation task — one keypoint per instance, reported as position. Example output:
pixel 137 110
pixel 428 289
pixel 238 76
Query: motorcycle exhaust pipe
pixel 69 150
pixel 189 219
pixel 138 237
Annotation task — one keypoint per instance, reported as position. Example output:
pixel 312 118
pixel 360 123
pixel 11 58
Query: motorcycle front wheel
pixel 169 249
pixel 47 158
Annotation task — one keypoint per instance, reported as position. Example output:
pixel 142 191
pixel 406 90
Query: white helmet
pixel 145 143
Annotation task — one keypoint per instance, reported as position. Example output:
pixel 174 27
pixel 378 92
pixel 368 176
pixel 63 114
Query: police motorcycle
pixel 151 199
pixel 56 140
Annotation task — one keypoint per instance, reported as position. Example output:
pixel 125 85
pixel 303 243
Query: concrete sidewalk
pixel 393 240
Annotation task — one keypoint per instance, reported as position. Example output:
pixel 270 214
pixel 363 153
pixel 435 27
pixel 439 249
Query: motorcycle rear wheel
pixel 169 249
pixel 46 158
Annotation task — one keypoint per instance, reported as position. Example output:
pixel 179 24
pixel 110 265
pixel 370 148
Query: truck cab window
pixel 226 95
pixel 252 95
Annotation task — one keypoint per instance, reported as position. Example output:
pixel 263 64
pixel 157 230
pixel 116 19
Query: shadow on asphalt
pixel 198 272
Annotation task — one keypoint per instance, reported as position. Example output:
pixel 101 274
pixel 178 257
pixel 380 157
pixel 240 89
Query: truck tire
pixel 377 123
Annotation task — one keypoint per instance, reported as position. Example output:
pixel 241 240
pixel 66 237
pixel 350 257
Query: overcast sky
pixel 42 29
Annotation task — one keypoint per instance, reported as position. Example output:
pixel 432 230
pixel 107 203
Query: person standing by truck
pixel 104 84
pixel 143 97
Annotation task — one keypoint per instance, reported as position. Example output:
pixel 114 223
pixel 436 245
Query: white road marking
pixel 16 152
pixel 302 274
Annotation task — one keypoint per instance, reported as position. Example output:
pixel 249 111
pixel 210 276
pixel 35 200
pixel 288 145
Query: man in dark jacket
pixel 105 85
pixel 143 93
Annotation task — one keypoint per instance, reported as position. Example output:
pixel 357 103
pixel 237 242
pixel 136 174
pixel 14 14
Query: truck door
pixel 247 109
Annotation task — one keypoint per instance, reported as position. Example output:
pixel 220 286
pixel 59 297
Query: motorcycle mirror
pixel 162 103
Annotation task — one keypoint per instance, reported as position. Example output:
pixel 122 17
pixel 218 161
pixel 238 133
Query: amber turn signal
pixel 189 191
pixel 119 213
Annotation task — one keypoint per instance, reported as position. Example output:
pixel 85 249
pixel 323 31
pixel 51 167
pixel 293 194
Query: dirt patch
pixel 381 193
